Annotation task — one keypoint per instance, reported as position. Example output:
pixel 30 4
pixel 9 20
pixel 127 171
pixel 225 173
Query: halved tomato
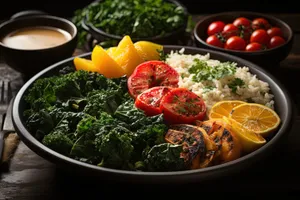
pixel 150 74
pixel 181 105
pixel 149 100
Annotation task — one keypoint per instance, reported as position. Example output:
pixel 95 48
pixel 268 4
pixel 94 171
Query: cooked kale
pixel 40 123
pixel 136 18
pixel 134 117
pixel 93 119
pixel 58 142
pixel 165 157
pixel 116 148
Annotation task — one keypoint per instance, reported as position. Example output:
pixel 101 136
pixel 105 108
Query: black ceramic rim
pixel 59 19
pixel 290 31
pixel 31 141
pixel 117 37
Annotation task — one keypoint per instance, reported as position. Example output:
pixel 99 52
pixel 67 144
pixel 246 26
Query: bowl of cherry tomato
pixel 257 37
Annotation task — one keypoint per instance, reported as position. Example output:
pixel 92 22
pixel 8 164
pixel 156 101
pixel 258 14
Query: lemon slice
pixel 256 117
pixel 223 108
pixel 249 140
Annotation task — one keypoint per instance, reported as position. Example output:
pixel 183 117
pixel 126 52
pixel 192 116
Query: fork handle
pixel 1 121
pixel 2 138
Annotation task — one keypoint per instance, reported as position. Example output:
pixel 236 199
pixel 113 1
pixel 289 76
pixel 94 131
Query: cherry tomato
pixel 276 41
pixel 260 23
pixel 235 43
pixel 214 41
pixel 149 100
pixel 275 31
pixel 260 36
pixel 242 22
pixel 215 27
pixel 254 46
pixel 245 33
pixel 150 74
pixel 181 105
pixel 230 30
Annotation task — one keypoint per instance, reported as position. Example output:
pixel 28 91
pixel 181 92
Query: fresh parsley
pixel 203 72
pixel 235 83
pixel 162 55
pixel 208 88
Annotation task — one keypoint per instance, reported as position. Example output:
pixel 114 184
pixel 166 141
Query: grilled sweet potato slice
pixel 198 148
pixel 229 147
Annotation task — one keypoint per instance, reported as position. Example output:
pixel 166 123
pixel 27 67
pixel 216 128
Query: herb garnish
pixel 208 88
pixel 203 72
pixel 237 82
pixel 162 55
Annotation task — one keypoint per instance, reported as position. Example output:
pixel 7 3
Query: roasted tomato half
pixel 150 74
pixel 182 106
pixel 149 100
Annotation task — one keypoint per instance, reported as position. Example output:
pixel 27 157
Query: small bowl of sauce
pixel 29 44
pixel 40 37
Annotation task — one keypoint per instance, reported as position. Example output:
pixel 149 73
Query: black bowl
pixel 265 58
pixel 168 38
pixel 283 107
pixel 30 62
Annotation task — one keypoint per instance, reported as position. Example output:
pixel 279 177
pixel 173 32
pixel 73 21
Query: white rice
pixel 253 88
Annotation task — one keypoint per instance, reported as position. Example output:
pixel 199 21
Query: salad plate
pixel 278 98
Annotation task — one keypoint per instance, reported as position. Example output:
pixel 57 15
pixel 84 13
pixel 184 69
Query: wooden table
pixel 32 177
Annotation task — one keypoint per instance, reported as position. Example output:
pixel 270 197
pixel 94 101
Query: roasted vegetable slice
pixel 229 147
pixel 198 148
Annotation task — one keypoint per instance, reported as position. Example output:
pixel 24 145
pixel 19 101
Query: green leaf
pixel 237 82
pixel 143 18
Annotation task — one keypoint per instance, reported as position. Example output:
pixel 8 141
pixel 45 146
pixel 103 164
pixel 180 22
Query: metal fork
pixel 5 96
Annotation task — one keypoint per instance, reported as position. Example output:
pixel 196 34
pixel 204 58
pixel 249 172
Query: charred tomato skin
pixel 182 106
pixel 149 74
pixel 149 100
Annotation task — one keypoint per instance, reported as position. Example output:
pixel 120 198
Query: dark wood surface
pixel 31 177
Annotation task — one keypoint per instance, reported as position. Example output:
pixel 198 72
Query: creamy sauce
pixel 36 38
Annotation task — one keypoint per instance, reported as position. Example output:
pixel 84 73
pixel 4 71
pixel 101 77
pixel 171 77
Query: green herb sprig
pixel 203 72
pixel 237 82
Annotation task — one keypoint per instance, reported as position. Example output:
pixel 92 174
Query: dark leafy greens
pixel 137 18
pixel 93 119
